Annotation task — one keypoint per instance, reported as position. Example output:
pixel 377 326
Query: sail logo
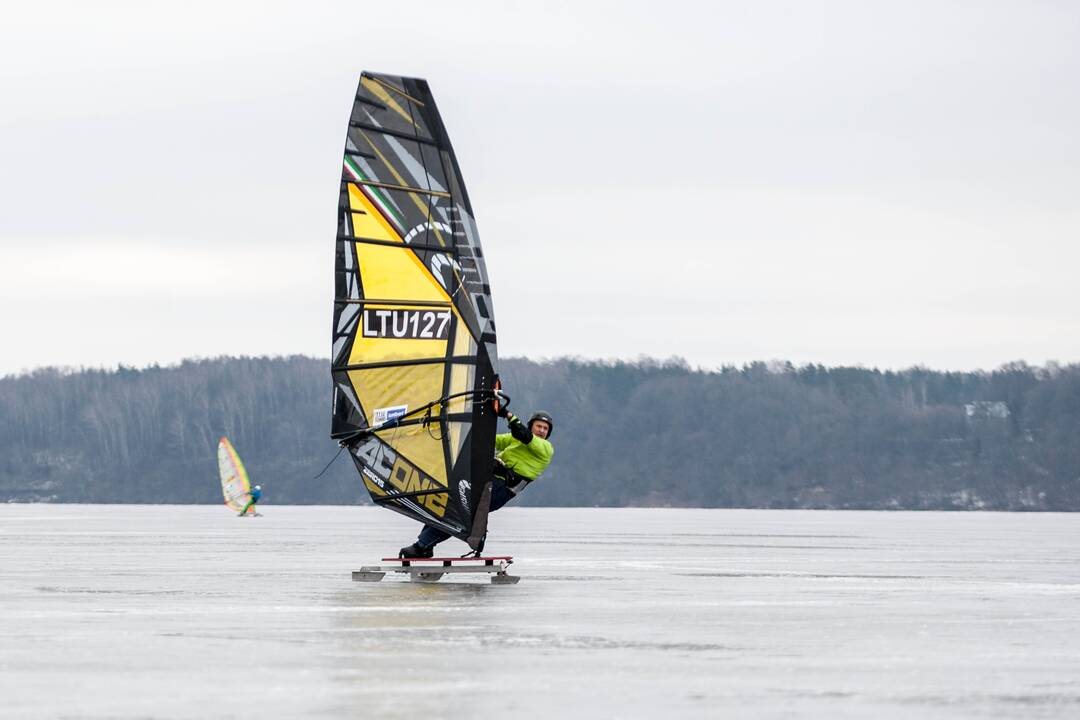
pixel 406 324
pixel 389 413
pixel 407 478
pixel 463 491
pixel 424 227
pixel 377 461
pixel 447 271
pixel 388 473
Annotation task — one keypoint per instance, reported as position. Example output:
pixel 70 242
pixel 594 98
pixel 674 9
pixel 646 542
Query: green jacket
pixel 523 452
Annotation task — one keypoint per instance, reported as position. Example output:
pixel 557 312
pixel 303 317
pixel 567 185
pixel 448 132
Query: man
pixel 521 455
pixel 255 494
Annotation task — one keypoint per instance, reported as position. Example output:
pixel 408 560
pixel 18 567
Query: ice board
pixel 432 569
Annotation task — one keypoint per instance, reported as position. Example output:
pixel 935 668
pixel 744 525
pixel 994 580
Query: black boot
pixel 415 551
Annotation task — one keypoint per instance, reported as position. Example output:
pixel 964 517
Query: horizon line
pixel 773 365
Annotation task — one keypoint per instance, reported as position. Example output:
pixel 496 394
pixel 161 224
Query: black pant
pixel 500 495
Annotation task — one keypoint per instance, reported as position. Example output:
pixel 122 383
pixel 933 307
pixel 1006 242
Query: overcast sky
pixel 876 183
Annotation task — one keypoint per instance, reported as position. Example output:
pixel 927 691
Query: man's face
pixel 540 428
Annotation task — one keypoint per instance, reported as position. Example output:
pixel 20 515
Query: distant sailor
pixel 256 495
pixel 521 455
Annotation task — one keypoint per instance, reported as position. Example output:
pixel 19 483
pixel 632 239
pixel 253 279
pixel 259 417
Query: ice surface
pixel 191 612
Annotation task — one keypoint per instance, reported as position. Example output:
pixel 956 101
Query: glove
pixel 502 411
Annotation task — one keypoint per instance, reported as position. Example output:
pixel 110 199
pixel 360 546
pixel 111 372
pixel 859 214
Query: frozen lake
pixel 191 612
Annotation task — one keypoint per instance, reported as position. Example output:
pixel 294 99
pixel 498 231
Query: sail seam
pixel 458 359
pixel 372 103
pixel 387 131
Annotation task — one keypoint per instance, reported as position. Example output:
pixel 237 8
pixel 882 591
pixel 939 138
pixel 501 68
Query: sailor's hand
pixel 501 402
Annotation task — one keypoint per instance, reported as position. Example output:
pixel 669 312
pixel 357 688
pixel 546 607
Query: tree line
pixel 643 433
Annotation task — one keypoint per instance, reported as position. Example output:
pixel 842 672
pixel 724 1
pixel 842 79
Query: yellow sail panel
pixel 416 450
pixel 412 385
pixel 461 379
pixel 423 446
pixel 368 222
pixel 392 273
pixel 464 345
pixel 390 391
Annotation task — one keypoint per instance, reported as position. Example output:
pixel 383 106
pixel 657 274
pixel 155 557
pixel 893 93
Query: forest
pixel 645 433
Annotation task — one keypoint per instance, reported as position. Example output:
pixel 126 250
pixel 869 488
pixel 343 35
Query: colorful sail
pixel 235 485
pixel 413 359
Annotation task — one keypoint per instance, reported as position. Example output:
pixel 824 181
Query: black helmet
pixel 546 417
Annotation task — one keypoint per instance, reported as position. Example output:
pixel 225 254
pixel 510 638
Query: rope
pixel 329 463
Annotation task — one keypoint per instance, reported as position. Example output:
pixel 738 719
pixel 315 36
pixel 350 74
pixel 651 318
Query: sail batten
pixel 384 301
pixel 454 360
pixel 405 188
pixel 414 347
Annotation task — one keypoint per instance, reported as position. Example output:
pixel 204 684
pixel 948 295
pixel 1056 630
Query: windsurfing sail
pixel 235 485
pixel 413 360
